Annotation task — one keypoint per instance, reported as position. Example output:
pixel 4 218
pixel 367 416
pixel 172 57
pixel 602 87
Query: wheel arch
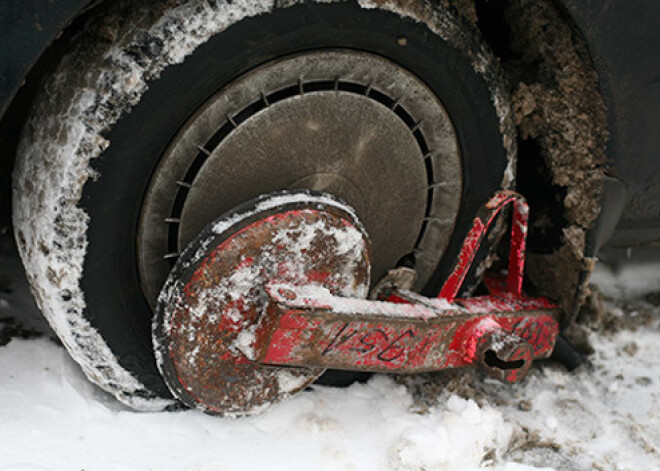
pixel 563 122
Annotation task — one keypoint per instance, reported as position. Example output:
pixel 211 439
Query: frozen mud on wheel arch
pixel 76 218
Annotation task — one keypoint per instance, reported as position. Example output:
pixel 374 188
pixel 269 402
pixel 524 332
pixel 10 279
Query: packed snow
pixel 602 416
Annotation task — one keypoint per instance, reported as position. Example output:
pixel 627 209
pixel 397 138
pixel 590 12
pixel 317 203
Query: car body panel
pixel 27 29
pixel 624 43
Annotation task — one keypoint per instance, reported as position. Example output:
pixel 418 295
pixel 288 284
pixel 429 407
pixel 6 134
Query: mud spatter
pixel 557 103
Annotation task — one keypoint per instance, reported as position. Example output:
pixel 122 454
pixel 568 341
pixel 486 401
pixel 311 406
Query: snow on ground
pixel 53 419
pixel 604 416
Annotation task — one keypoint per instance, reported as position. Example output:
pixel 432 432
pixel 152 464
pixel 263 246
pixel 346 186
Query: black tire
pixel 115 303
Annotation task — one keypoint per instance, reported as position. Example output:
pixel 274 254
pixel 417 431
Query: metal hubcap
pixel 344 122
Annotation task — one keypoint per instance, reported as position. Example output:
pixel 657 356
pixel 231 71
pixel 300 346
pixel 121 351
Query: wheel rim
pixel 345 122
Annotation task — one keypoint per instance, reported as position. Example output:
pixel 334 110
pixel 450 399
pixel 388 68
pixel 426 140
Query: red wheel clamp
pixel 268 298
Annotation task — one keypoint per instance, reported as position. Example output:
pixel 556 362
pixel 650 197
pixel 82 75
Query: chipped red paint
pixel 201 360
pixel 480 226
pixel 309 327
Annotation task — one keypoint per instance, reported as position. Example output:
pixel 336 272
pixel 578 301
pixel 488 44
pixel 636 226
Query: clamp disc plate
pixel 209 307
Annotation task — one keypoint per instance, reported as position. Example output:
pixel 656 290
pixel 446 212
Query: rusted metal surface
pixel 503 355
pixel 307 326
pixel 208 312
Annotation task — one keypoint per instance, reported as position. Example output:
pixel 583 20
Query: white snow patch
pixel 52 419
pixel 629 281
pixel 290 382
pixel 442 444
pixel 322 298
pixel 245 342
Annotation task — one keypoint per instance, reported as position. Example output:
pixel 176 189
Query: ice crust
pixel 91 89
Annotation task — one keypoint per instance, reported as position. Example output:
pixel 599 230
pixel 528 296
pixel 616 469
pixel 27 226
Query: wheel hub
pixel 344 122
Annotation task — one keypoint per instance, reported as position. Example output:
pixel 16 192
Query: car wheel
pixel 162 118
